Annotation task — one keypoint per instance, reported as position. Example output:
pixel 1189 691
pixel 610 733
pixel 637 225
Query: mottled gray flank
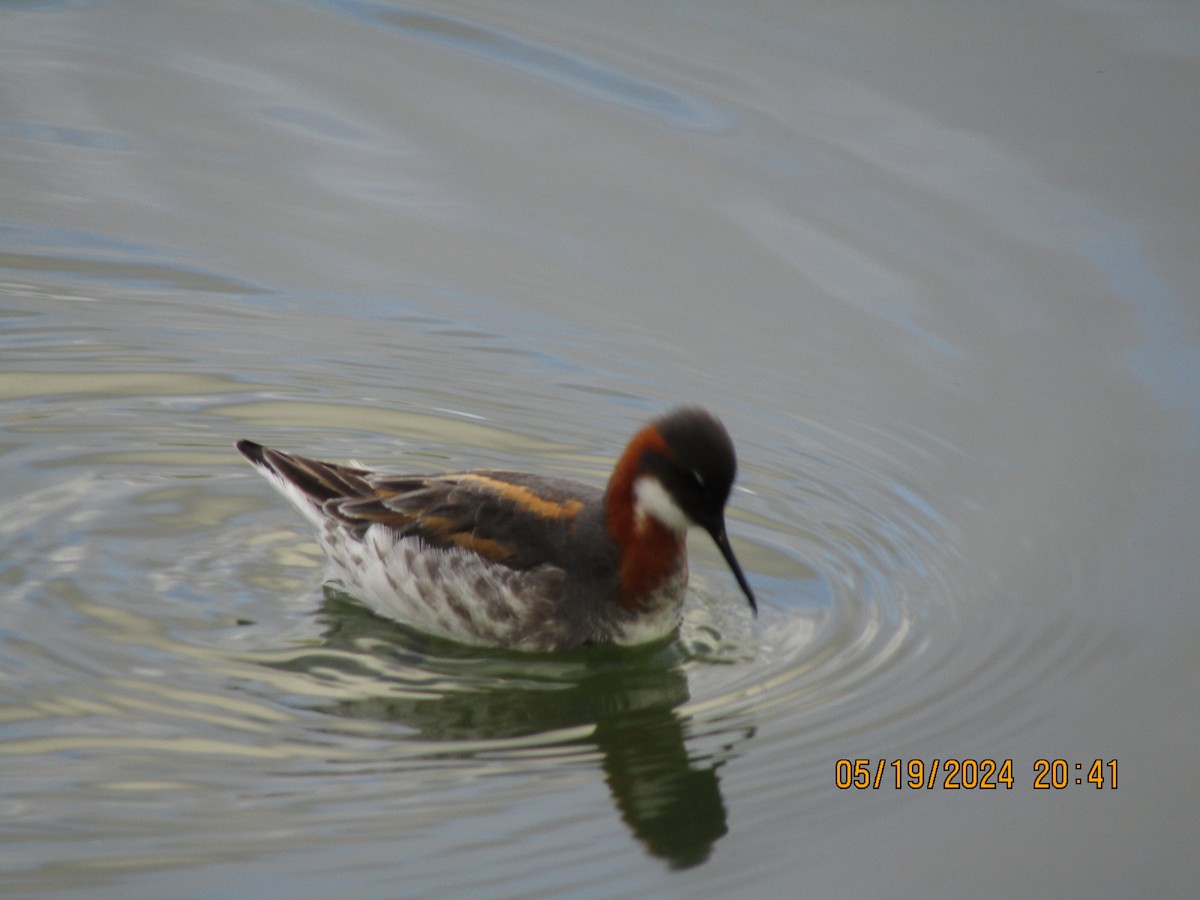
pixel 457 594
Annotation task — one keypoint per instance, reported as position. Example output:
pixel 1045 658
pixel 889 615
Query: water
pixel 934 267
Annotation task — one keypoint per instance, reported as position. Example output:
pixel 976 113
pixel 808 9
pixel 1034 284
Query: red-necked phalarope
pixel 529 562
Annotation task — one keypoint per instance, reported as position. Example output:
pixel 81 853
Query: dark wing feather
pixel 319 481
pixel 495 514
pixel 518 520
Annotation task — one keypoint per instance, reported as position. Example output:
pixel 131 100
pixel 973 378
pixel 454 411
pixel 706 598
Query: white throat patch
pixel 652 499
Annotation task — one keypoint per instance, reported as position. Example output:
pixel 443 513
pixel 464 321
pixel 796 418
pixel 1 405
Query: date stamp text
pixel 953 774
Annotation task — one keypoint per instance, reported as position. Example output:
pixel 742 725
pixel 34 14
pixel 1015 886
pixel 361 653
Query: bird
pixel 524 561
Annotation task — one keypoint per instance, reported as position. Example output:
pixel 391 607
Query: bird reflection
pixel 445 692
pixel 675 810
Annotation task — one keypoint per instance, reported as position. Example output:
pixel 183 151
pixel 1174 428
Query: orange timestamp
pixel 971 774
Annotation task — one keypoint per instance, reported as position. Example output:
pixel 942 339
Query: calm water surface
pixel 933 265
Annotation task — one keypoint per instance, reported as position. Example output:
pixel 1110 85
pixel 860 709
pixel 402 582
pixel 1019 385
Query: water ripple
pixel 162 618
pixel 568 71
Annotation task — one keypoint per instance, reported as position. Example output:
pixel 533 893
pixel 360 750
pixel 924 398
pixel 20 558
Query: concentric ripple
pixel 169 632
pixel 163 616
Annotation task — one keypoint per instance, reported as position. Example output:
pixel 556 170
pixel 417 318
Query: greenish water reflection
pixel 614 706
